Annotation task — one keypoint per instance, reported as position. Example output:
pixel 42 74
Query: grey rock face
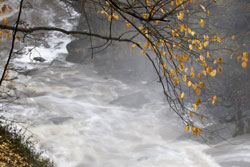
pixel 78 51
pixel 113 59
pixel 243 124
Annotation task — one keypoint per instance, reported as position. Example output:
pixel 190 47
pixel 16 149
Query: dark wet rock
pixel 243 124
pixel 40 59
pixel 116 60
pixel 79 51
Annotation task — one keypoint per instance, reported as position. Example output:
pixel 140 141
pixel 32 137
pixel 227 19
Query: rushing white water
pixel 83 119
pixel 78 121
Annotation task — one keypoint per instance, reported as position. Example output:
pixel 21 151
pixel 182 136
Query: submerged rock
pixel 40 59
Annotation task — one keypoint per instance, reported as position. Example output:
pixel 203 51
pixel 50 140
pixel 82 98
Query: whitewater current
pixel 82 119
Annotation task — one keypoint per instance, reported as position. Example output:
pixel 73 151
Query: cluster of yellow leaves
pixel 195 130
pixel 175 47
pixel 5 33
pixel 244 59
pixel 110 17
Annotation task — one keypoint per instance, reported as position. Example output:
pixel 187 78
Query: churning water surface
pixel 82 119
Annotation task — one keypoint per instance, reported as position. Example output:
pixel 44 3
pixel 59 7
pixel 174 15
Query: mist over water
pixel 93 115
pixel 72 118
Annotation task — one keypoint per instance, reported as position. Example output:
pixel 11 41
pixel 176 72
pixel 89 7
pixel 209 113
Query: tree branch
pixel 15 29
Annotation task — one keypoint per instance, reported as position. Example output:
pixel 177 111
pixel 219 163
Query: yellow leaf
pixel 245 54
pixel 172 33
pixel 133 46
pixel 115 16
pixel 219 69
pixel 190 46
pixel 164 65
pixel 195 107
pixel 199 76
pixel 185 58
pixel 178 2
pixel 219 60
pixel 143 51
pixel 140 28
pixel 239 58
pixel 109 18
pixel 171 3
pixel 206 37
pixel 204 72
pixel 182 27
pixel 187 128
pixel 202 58
pixel 18 37
pixel 182 95
pixel 196 130
pixel 162 11
pixel 189 83
pixel 180 15
pixel 181 67
pixel 172 73
pixel 198 101
pixel 128 25
pixel 208 55
pixel 147 44
pixel 176 81
pixel 202 84
pixel 162 53
pixel 216 38
pixel 208 12
pixel 206 43
pixel 148 2
pixel 202 23
pixel 184 78
pixel 145 15
pixel 213 73
pixel 244 64
pixel 7 36
pixel 5 21
pixel 157 44
pixel 219 39
pixel 198 91
pixel 192 74
pixel 103 12
pixel 214 99
pixel 191 114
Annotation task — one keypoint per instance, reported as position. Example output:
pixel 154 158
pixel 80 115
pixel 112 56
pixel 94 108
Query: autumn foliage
pixel 174 34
